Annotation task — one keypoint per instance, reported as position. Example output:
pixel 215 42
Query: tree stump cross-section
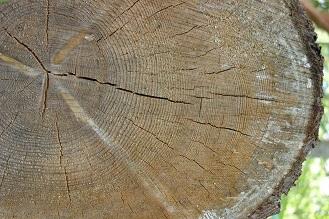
pixel 154 109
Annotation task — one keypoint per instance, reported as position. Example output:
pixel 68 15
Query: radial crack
pixel 130 7
pixel 197 163
pixel 206 146
pixel 205 53
pixel 201 184
pixel 218 127
pixel 156 137
pixel 29 49
pixel 149 183
pixel 165 8
pixel 269 99
pixel 230 165
pixel 23 67
pixel 8 126
pixel 111 34
pixel 45 94
pixel 185 32
pixel 221 162
pixel 153 97
pixel 67 184
pixel 4 173
pixel 119 88
pixel 61 155
pixel 18 65
pixel 7 162
pixel 221 71
pixel 83 78
pixel 60 144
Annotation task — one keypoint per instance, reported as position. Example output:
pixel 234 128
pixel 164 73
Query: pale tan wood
pixel 152 108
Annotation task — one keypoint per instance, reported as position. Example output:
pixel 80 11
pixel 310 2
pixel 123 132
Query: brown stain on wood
pixel 14 63
pixel 71 44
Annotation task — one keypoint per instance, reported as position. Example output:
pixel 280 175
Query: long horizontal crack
pixel 220 71
pixel 219 127
pixel 153 97
pixel 118 88
pixel 84 78
pixel 187 31
pixel 270 99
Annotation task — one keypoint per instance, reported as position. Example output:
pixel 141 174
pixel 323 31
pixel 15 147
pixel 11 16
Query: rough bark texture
pixel 306 33
pixel 154 109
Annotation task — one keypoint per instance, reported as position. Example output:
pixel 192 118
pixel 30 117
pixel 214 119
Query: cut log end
pixel 154 109
pixel 271 205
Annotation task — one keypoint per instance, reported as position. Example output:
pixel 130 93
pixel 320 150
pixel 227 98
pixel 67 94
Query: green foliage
pixel 3 1
pixel 310 197
pixel 323 4
pixel 323 40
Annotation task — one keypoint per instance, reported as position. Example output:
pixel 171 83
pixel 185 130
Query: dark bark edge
pixel 271 205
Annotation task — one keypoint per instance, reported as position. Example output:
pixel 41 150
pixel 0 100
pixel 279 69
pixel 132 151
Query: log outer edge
pixel 271 205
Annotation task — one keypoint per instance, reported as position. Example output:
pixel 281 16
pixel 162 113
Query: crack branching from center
pixel 46 80
pixel 116 86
